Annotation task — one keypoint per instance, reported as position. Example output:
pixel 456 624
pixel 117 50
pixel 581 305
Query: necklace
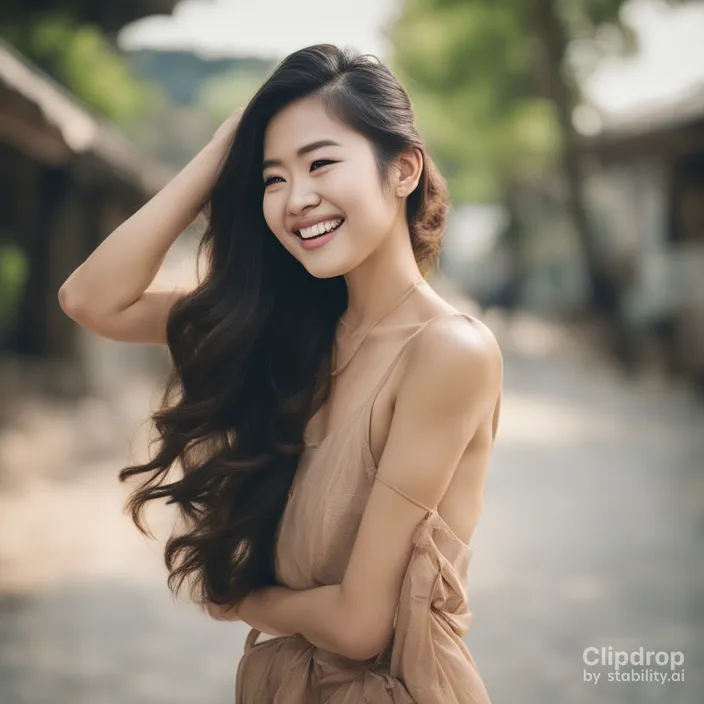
pixel 407 292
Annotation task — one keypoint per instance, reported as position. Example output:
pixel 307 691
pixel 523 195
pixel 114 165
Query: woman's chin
pixel 321 271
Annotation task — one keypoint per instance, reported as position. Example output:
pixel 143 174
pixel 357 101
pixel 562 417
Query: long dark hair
pixel 251 362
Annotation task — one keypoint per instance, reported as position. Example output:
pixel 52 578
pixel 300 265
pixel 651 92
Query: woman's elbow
pixel 69 302
pixel 365 640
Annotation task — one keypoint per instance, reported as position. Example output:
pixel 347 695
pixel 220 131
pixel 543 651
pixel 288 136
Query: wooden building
pixel 646 191
pixel 67 180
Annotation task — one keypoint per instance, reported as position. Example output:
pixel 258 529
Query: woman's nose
pixel 301 196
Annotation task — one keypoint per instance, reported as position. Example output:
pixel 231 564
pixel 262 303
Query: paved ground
pixel 589 537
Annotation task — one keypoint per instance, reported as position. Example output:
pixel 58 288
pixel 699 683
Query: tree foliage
pixel 479 75
pixel 82 58
pixel 465 64
pixel 221 93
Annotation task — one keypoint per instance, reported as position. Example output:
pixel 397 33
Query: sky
pixel 670 61
pixel 265 27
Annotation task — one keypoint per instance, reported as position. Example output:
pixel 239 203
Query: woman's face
pixel 318 170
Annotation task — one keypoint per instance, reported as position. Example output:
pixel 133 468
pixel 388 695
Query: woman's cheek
pixel 343 186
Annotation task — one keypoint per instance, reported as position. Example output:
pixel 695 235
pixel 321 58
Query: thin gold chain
pixel 405 295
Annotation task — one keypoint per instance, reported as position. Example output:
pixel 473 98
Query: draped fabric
pixel 426 662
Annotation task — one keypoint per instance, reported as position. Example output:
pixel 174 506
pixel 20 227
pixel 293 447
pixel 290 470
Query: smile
pixel 319 230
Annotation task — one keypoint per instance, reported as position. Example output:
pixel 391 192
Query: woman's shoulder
pixel 436 305
pixel 455 339
pixel 445 325
pixel 453 353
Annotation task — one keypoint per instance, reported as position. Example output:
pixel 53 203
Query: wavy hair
pixel 251 362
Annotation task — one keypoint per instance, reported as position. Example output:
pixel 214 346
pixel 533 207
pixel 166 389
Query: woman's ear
pixel 410 167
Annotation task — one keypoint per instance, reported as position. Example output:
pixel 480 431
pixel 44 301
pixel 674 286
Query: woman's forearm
pixel 121 268
pixel 317 614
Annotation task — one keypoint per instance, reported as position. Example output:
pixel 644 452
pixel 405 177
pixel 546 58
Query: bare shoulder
pixel 454 370
pixel 454 347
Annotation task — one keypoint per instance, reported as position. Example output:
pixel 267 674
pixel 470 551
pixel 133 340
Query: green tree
pixel 467 67
pixel 82 58
pixel 495 86
pixel 221 93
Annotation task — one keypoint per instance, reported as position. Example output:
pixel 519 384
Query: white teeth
pixel 319 228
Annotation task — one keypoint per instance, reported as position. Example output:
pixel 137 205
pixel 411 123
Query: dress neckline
pixel 369 401
pixel 342 425
pixel 338 370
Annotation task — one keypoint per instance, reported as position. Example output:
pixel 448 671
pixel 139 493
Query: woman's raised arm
pixel 109 293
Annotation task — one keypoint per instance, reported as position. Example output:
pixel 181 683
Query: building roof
pixel 668 127
pixel 46 122
pixel 111 16
pixel 686 108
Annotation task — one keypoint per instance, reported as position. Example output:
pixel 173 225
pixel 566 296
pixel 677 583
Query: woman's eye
pixel 323 162
pixel 318 162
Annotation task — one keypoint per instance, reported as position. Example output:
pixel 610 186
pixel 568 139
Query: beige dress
pixel 426 662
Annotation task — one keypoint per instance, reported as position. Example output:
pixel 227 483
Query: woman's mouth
pixel 319 230
pixel 318 235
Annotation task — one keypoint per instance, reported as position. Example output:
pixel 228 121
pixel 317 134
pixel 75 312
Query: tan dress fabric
pixel 426 661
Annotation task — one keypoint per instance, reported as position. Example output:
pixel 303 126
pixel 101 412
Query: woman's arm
pixel 449 390
pixel 107 292
pixel 277 611
pixel 316 614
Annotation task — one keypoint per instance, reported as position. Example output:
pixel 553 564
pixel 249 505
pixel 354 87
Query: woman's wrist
pixel 258 608
pixel 222 138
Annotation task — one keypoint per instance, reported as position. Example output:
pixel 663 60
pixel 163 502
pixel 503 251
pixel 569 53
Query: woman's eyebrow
pixel 303 150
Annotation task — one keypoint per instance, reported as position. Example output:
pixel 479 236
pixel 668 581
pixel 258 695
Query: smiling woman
pixel 341 179
pixel 332 415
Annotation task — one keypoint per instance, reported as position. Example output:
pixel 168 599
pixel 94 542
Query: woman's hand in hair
pixel 226 131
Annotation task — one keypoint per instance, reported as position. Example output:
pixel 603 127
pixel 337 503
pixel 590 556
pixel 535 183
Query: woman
pixel 332 415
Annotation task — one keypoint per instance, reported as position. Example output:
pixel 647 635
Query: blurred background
pixel 571 133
